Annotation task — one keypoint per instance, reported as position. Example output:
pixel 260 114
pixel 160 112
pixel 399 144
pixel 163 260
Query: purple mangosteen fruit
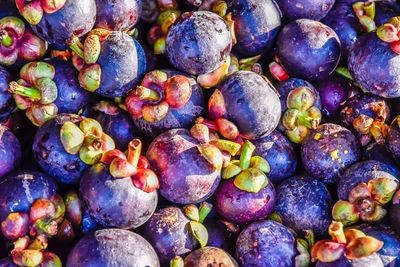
pixel 165 100
pixel 308 49
pixel 381 153
pixel 393 139
pixel 6 101
pixel 113 247
pixel 10 151
pixel 328 151
pixel 305 9
pixel 121 190
pixel 304 203
pixel 120 15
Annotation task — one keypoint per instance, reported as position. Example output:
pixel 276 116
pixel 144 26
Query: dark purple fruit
pixel 304 203
pixel 308 49
pixel 10 151
pixel 266 244
pixel 6 100
pixel 305 9
pixel 112 247
pixel 328 151
pixel 209 256
pixel 393 139
pixel 198 42
pixel 381 153
pixel 120 15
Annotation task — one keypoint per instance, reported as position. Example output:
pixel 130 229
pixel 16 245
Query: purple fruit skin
pixel 333 92
pixel 251 104
pixel 304 203
pixel 375 66
pixel 390 252
pixel 10 151
pixel 75 18
pixel 242 207
pixel 115 202
pixel 280 154
pixel 372 260
pixel 168 232
pixel 198 42
pixel 305 9
pixel 112 247
pixel 185 176
pixel 51 156
pixel 308 49
pixel 381 153
pixel 7 262
pixel 123 65
pixel 384 12
pixel 176 118
pixel 6 99
pixel 393 140
pixel 266 244
pixel 343 21
pixel 117 15
pixel 363 172
pixel 335 150
pixel 257 24
pixel 284 88
pixel 19 190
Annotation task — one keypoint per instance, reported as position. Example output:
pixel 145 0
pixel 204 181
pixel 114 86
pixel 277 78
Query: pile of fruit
pixel 200 133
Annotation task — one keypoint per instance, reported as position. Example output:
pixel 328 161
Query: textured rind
pixel 123 65
pixel 117 15
pixel 115 202
pixel 308 49
pixel 6 100
pixel 257 24
pixel 10 151
pixel 280 154
pixel 304 203
pixel 77 17
pixel 375 66
pixel 242 207
pixel 363 172
pixel 183 117
pixel 308 9
pixel 251 104
pixel 266 244
pixel 381 153
pixel 185 176
pixel 168 232
pixel 393 140
pixel 328 151
pixel 372 260
pixel 112 248
pixel 198 42
pixel 51 156
pixel 19 190
pixel 210 256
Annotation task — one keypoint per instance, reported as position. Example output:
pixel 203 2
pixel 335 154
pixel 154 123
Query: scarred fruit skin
pixel 115 202
pixel 112 247
pixel 167 230
pixel 74 18
pixel 375 66
pixel 251 104
pixel 183 117
pixel 20 189
pixel 185 176
pixel 304 203
pixel 51 156
pixel 308 49
pixel 209 256
pixel 328 151
pixel 266 244
pixel 242 207
pixel 280 154
pixel 307 9
pixel 123 64
pixel 118 15
pixel 257 24
pixel 6 100
pixel 372 260
pixel 363 172
pixel 198 42
pixel 10 151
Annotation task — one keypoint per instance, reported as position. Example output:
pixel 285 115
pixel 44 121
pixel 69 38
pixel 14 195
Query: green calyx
pixel 177 261
pixel 365 12
pixel 389 32
pixel 249 172
pixel 87 139
pixel 158 33
pixel 197 217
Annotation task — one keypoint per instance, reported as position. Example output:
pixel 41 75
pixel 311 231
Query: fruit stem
pixel 336 232
pixel 177 262
pixel 247 151
pixel 305 120
pixel 144 93
pixel 6 39
pixel 225 145
pixel 204 210
pixel 76 45
pixel 134 151
pixel 21 90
